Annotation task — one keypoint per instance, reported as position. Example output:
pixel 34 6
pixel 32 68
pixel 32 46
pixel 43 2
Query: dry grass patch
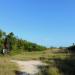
pixel 6 67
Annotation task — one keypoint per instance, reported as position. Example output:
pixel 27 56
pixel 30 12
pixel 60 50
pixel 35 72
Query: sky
pixel 45 22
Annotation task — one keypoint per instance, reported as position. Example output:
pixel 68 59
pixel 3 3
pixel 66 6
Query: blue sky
pixel 45 22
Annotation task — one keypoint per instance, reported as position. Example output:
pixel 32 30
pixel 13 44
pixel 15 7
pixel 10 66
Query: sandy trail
pixel 29 67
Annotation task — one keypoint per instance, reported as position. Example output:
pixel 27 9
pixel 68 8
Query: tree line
pixel 16 44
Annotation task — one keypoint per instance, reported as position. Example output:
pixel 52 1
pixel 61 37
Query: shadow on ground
pixel 21 73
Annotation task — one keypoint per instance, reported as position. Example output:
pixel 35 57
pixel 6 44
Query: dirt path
pixel 28 67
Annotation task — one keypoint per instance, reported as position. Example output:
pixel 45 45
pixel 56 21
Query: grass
pixel 54 68
pixel 45 56
pixel 39 55
pixel 53 71
pixel 6 67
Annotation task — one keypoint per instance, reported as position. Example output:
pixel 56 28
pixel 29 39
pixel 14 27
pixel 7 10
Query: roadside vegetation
pixel 61 61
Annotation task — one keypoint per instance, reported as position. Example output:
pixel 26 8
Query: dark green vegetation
pixel 17 45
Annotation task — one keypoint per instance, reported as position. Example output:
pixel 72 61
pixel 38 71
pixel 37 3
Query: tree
pixel 12 43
